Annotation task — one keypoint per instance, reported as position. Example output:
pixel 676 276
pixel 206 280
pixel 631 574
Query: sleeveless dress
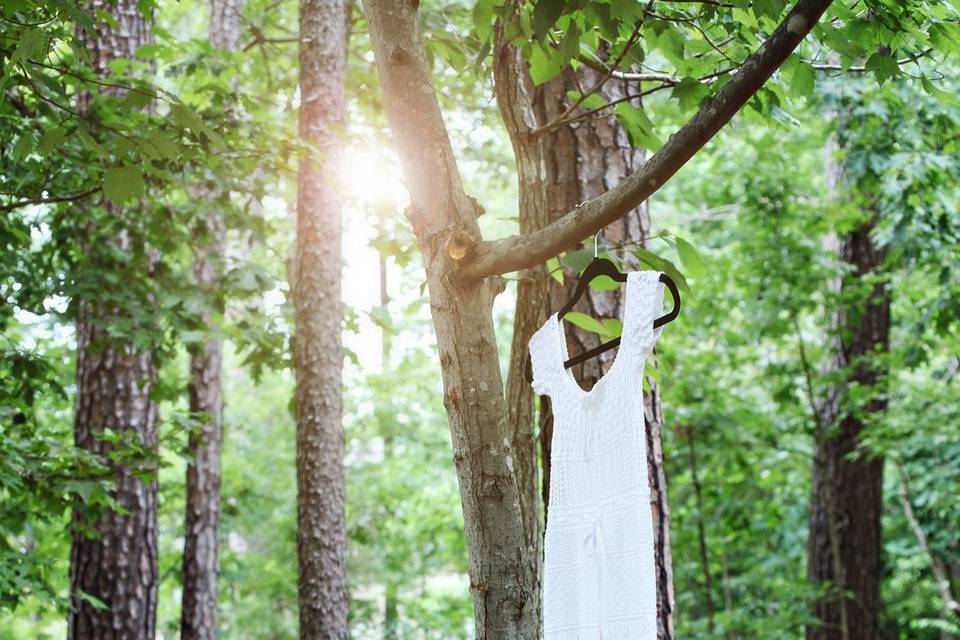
pixel 599 579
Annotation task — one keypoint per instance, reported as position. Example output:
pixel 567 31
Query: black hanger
pixel 603 267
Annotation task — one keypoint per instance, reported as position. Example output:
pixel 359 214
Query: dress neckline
pixel 624 338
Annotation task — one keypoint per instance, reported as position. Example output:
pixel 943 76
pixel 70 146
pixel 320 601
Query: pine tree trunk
pixel 847 495
pixel 198 620
pixel 557 170
pixel 118 564
pixel 321 536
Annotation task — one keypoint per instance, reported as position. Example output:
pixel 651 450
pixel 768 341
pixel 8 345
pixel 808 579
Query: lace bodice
pixel 599 577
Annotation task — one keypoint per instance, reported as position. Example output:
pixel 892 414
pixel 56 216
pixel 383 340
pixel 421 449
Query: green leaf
pixel 545 15
pixel 769 8
pixel 187 118
pixel 22 147
pixel 945 98
pixel 553 267
pixel 626 11
pixel 51 139
pixel 604 283
pixel 543 67
pixel 83 488
pixel 802 79
pixel 690 92
pixel 883 65
pixel 483 18
pixel 690 257
pixel 672 43
pixel 163 146
pixel 587 323
pixel 570 45
pixel 613 327
pixel 122 183
pixel 639 127
pixel 93 601
pixel 662 264
pixel 577 260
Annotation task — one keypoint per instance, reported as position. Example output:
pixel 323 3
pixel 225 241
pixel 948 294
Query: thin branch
pixel 44 200
pixel 600 67
pixel 599 84
pixel 861 69
pixel 714 3
pixel 261 41
pixel 937 567
pixel 635 96
pixel 524 251
pixel 84 78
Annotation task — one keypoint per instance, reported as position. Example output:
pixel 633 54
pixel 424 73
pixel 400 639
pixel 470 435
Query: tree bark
pixel 198 616
pixel 557 170
pixel 321 534
pixel 503 566
pixel 118 564
pixel 847 486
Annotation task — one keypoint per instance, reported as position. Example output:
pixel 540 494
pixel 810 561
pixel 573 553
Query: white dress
pixel 599 579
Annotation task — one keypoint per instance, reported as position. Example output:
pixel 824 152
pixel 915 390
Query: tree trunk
pixel 847 494
pixel 503 553
pixel 559 169
pixel 117 564
pixel 321 535
pixel 198 619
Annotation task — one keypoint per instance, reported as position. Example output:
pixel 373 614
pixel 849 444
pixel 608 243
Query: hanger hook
pixel 595 243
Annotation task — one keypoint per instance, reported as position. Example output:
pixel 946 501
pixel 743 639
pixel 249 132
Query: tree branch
pixel 610 71
pixel 936 565
pixel 665 84
pixel 521 252
pixel 42 200
pixel 601 67
pixel 862 69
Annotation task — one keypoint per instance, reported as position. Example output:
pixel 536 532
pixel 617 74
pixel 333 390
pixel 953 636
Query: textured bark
pixel 559 169
pixel 847 495
pixel 503 559
pixel 117 565
pixel 321 535
pixel 198 617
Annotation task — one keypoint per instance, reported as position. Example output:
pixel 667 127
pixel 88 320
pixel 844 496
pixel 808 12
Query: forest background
pixel 151 200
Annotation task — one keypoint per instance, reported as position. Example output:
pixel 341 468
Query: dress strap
pixel 546 358
pixel 644 305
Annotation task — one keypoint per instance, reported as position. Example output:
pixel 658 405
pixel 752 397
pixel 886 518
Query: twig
pixel 49 200
pixel 599 84
pixel 600 67
pixel 634 96
pixel 861 69
pixel 936 565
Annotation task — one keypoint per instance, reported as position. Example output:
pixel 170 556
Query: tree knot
pixel 399 56
pixel 460 245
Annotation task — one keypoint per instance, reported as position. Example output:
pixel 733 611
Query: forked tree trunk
pixel 559 169
pixel 321 535
pixel 502 554
pixel 495 480
pixel 118 564
pixel 198 616
pixel 847 495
